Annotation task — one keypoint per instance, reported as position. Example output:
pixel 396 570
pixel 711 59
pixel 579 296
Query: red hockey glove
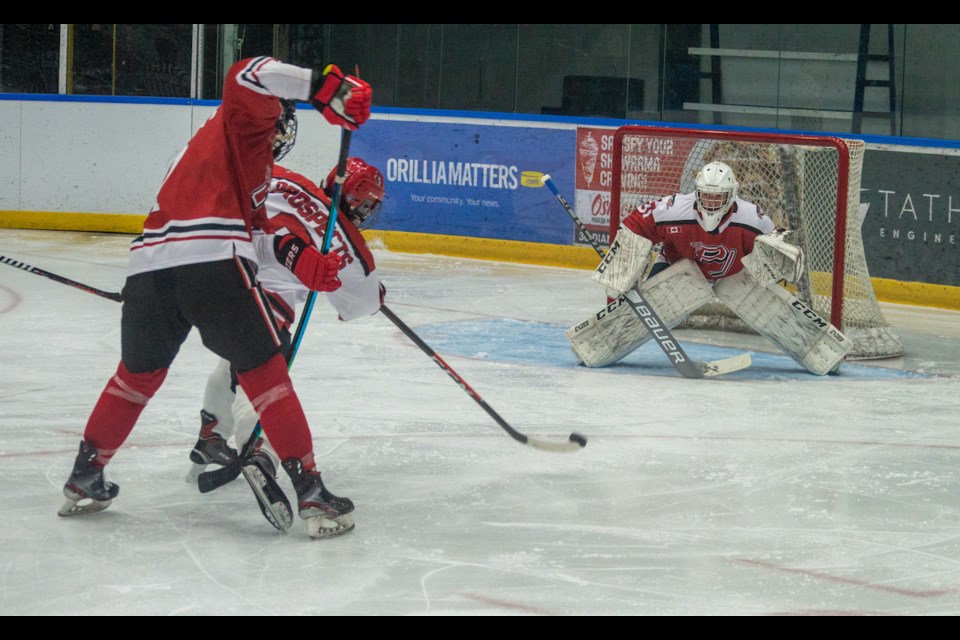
pixel 315 270
pixel 383 293
pixel 343 100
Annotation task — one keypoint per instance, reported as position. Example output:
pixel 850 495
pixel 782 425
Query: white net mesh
pixel 795 180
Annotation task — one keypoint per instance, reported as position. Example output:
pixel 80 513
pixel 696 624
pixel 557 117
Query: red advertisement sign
pixel 593 179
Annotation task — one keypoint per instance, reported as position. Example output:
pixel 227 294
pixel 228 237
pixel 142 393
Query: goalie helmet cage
pixel 805 183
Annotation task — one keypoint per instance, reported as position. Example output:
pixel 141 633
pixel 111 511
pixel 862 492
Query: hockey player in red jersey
pixel 195 265
pixel 713 245
pixel 296 211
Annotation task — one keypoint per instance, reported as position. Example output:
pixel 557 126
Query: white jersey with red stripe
pixel 672 220
pixel 214 192
pixel 296 205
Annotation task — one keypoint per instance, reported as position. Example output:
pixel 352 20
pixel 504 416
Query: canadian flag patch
pixel 674 230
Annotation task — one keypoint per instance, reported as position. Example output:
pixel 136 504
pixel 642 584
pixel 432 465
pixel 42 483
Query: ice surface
pixel 765 492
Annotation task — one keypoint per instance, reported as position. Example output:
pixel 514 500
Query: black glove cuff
pixel 288 249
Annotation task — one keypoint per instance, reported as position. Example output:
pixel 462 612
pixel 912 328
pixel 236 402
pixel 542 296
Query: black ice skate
pixel 211 448
pixel 261 474
pixel 87 490
pixel 327 515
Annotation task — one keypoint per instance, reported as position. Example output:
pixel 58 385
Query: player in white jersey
pixel 713 244
pixel 297 211
pixel 195 266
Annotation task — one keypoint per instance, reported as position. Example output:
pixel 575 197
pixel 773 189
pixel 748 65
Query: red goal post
pixel 807 183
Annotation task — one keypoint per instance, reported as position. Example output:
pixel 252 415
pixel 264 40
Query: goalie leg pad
pixel 774 313
pixel 615 331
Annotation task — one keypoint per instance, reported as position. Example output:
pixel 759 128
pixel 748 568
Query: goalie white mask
pixel 716 189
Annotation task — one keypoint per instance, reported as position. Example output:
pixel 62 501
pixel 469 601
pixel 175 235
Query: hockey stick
pixel 575 442
pixel 210 480
pixel 109 295
pixel 653 323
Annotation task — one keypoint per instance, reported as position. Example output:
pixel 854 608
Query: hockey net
pixel 809 184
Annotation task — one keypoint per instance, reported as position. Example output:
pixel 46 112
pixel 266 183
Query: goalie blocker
pixel 623 265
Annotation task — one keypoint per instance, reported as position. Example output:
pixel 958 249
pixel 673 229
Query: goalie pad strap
pixel 615 331
pixel 774 313
pixel 621 268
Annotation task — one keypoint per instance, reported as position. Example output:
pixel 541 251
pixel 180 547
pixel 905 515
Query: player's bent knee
pixel 138 387
pixel 267 383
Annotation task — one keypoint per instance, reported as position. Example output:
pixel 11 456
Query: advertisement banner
pixel 591 202
pixel 912 224
pixel 474 180
pixel 645 162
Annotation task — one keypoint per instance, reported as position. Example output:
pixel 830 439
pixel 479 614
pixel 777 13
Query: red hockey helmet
pixel 361 196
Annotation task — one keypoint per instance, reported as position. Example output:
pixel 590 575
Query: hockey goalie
pixel 713 246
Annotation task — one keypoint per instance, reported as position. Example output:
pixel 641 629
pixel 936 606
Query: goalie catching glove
pixel 317 271
pixel 343 100
pixel 624 263
pixel 775 258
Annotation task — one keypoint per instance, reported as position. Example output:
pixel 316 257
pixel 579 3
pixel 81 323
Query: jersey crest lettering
pixel 717 254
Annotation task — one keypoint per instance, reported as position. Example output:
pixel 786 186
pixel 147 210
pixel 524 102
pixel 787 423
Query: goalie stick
pixel 210 480
pixel 650 319
pixel 574 442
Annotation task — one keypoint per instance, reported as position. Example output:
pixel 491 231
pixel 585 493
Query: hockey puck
pixel 579 439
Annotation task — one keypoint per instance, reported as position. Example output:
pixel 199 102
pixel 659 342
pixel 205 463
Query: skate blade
pixel 277 510
pixel 82 506
pixel 321 527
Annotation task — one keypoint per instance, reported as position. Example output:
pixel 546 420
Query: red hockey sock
pixel 120 405
pixel 271 393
